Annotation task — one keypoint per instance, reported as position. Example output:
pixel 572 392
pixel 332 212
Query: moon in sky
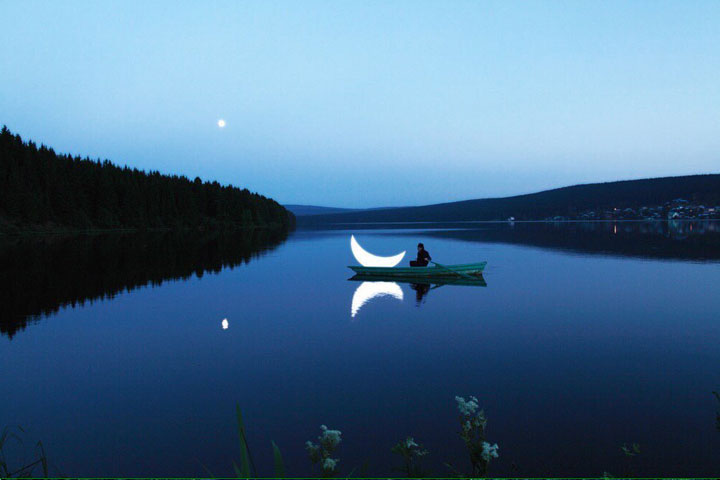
pixel 221 123
pixel 367 259
pixel 366 291
pixel 225 324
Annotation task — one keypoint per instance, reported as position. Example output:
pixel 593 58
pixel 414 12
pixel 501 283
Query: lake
pixel 585 337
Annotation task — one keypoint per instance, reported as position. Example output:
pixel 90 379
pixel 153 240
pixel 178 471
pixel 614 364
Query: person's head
pixel 421 246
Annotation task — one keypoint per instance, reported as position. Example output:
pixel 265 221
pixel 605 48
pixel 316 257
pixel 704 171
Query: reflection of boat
pixel 478 281
pixel 374 286
pixel 455 271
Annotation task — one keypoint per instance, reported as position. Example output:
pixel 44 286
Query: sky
pixel 367 104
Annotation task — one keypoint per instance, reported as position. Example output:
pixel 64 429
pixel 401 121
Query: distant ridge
pixel 304 210
pixel 310 210
pixel 567 202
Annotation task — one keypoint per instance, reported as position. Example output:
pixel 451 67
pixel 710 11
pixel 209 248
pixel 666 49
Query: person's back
pixel 423 257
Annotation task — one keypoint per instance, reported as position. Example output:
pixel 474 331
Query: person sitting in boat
pixel 423 257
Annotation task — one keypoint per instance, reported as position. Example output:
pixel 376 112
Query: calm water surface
pixel 585 337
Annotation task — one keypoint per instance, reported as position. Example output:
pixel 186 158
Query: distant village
pixel 678 209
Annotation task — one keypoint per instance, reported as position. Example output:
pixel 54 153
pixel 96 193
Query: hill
pixel 304 210
pixel 43 190
pixel 591 201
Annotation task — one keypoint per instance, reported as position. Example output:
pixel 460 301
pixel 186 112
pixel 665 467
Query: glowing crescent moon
pixel 366 291
pixel 367 259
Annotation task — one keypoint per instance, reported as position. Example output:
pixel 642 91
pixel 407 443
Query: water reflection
pixel 366 291
pixel 421 289
pixel 676 239
pixel 374 286
pixel 40 275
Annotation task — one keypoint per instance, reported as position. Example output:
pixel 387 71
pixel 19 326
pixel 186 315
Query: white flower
pixel 467 407
pixel 466 426
pixel 410 442
pixel 313 451
pixel 329 438
pixel 329 464
pixel 489 451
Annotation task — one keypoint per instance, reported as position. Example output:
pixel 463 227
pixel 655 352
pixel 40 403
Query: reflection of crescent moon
pixel 366 291
pixel 367 259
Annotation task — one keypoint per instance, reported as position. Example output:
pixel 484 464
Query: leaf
pixel 363 469
pixel 207 470
pixel 244 454
pixel 8 434
pixel 279 465
pixel 631 450
pixel 43 458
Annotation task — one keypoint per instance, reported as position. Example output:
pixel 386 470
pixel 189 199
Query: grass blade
pixel 245 457
pixel 279 465
pixel 207 470
pixel 43 458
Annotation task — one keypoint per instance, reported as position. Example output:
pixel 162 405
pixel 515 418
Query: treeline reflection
pixel 38 276
pixel 678 240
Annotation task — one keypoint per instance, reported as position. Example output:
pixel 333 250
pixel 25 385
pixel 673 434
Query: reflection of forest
pixel 680 240
pixel 39 275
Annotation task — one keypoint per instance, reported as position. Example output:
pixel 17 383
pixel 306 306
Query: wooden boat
pixel 461 270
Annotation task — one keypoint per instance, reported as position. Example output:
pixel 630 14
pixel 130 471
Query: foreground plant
pixel 630 450
pixel 8 471
pixel 321 453
pixel 473 424
pixel 247 466
pixel 410 451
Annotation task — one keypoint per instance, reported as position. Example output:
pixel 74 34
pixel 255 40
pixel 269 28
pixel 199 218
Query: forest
pixel 41 190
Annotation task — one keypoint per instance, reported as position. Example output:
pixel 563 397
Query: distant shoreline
pixel 671 198
pixel 317 226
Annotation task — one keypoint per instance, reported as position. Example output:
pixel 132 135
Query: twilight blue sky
pixel 371 103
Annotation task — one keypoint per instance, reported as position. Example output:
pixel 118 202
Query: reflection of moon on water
pixel 367 259
pixel 366 291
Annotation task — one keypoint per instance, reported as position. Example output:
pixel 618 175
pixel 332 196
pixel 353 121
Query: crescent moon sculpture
pixel 366 291
pixel 367 259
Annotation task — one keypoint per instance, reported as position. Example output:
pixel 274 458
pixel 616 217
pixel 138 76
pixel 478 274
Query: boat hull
pixel 422 272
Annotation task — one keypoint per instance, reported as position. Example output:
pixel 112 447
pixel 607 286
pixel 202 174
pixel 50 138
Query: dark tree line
pixel 41 188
